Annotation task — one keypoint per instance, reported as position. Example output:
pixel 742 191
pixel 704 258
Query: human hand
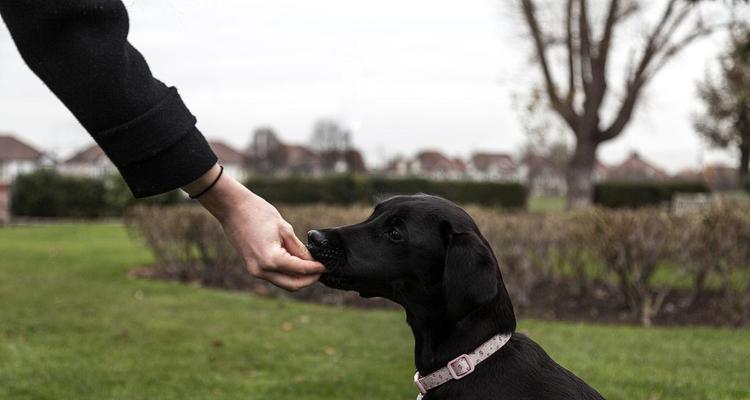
pixel 265 241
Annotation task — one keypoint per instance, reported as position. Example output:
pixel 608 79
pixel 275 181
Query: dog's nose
pixel 316 238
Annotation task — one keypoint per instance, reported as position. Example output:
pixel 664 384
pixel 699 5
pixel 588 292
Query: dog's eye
pixel 395 235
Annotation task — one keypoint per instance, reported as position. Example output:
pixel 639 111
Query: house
pixel 494 167
pixel 544 177
pixel 4 203
pixel 233 160
pixel 17 158
pixel 721 177
pixel 88 162
pixel 430 164
pixel 635 168
pixel 267 154
pixel 343 161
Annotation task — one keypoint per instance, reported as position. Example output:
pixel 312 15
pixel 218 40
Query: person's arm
pixel 79 48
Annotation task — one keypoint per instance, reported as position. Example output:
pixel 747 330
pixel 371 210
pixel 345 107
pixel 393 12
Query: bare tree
pixel 725 120
pixel 586 45
pixel 329 136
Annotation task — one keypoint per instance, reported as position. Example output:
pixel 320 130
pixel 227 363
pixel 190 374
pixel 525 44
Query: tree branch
pixel 638 78
pixel 584 31
pixel 571 53
pixel 565 110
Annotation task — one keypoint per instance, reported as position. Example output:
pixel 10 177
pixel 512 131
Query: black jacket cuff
pixel 173 167
pixel 160 150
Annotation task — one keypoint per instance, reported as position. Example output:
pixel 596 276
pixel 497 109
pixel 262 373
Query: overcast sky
pixel 403 75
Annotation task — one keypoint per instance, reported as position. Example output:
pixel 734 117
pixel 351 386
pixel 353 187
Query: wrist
pixel 223 192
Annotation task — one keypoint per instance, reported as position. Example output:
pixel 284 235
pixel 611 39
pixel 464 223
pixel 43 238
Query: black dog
pixel 427 254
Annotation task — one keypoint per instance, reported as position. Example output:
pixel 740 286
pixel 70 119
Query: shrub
pixel 46 193
pixel 119 198
pixel 188 244
pixel 714 243
pixel 351 189
pixel 642 194
pixel 632 244
pixel 523 246
pixel 600 260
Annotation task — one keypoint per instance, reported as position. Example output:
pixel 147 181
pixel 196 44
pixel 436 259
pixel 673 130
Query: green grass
pixel 546 204
pixel 74 326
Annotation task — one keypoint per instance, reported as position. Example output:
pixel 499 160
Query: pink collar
pixel 461 366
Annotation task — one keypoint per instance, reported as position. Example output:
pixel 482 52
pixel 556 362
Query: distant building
pixel 721 177
pixel 543 176
pixel 4 203
pixel 343 161
pixel 17 158
pixel 495 167
pixel 89 162
pixel 233 160
pixel 635 168
pixel 268 155
pixel 430 164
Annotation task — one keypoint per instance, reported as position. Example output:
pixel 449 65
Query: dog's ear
pixel 470 276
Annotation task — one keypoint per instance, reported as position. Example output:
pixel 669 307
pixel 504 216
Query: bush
pixel 642 194
pixel 350 189
pixel 632 244
pixel 46 193
pixel 189 245
pixel 119 198
pixel 619 264
pixel 714 243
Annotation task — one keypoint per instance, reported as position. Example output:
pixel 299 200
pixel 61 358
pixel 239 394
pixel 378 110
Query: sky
pixel 403 75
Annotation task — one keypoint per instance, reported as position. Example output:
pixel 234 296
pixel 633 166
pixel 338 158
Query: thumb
pixel 293 245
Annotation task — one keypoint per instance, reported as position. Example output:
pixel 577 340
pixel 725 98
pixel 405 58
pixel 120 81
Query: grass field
pixel 74 326
pixel 546 204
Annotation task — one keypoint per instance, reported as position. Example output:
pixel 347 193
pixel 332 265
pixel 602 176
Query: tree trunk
pixel 744 163
pixel 580 174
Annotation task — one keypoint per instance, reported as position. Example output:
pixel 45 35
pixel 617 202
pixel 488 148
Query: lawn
pixel 74 326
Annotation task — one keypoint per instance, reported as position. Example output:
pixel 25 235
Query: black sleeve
pixel 79 48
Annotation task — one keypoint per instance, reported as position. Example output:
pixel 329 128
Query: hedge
pixel 641 194
pixel 46 193
pixel 350 189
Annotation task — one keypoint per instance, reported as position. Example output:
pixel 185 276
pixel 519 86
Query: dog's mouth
pixel 334 260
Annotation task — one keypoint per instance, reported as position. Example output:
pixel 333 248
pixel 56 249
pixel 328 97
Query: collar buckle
pixel 461 366
pixel 417 382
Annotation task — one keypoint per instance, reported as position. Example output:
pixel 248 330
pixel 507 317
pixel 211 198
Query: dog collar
pixel 461 366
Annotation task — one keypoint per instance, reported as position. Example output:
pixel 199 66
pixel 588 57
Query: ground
pixel 74 326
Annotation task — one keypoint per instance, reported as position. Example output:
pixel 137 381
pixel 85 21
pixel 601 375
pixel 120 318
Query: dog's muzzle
pixel 325 250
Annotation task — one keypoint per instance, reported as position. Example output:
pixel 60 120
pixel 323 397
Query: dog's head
pixel 421 251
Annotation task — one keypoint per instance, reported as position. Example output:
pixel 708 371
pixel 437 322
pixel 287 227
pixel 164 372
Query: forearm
pixel 79 49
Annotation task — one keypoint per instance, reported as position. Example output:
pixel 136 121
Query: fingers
pixel 292 244
pixel 289 264
pixel 291 283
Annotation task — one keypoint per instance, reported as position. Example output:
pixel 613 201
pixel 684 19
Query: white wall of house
pixel 9 170
pixel 4 204
pixel 98 169
pixel 236 171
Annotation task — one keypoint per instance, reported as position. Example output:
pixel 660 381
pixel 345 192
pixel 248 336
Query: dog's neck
pixel 438 340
